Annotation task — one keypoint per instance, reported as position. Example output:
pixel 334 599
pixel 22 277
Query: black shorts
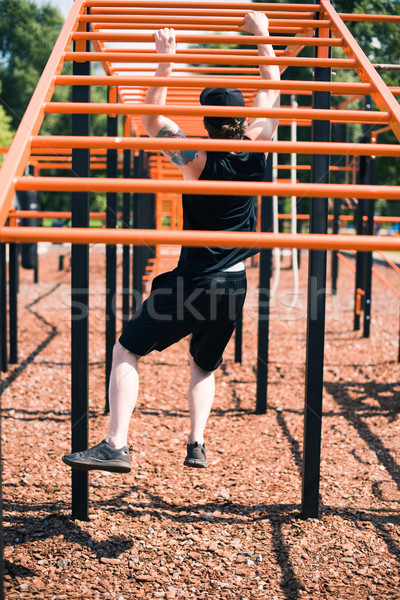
pixel 206 307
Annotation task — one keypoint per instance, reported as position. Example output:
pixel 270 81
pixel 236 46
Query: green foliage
pixel 6 132
pixel 27 36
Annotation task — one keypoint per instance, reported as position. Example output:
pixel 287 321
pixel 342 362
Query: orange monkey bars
pixel 94 31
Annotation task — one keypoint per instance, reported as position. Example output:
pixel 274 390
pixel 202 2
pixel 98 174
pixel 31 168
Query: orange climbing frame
pixel 121 39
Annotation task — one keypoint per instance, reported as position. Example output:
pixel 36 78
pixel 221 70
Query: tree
pixel 27 36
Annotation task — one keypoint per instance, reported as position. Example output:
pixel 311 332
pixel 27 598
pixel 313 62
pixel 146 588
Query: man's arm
pixel 190 162
pixel 260 128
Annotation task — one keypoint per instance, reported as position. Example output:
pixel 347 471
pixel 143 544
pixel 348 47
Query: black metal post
pixel 111 255
pixel 360 256
pixel 263 301
pixel 299 227
pixel 368 228
pixel 315 313
pixel 137 250
pixel 61 262
pixel 239 338
pixel 336 213
pixel 126 249
pixel 13 298
pixel 3 309
pixel 80 302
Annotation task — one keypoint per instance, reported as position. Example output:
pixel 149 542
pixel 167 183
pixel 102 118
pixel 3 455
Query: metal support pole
pixel 336 214
pixel 126 249
pixel 111 256
pixel 137 254
pixel 263 301
pixel 239 338
pixel 299 227
pixel 80 303
pixel 61 262
pixel 360 256
pixel 3 309
pixel 13 296
pixel 315 313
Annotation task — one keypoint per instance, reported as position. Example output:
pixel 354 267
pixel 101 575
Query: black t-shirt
pixel 221 213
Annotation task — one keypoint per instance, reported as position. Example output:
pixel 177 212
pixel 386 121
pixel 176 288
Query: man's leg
pixel 112 453
pixel 123 392
pixel 201 397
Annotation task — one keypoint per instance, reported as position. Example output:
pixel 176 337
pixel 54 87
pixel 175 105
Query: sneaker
pixel 101 457
pixel 196 456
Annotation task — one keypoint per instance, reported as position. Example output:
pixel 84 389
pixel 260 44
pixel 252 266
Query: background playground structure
pixel 142 189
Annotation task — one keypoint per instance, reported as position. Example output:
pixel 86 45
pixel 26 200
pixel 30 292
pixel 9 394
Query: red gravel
pixel 233 530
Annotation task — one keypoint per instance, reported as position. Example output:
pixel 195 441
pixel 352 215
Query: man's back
pixel 221 213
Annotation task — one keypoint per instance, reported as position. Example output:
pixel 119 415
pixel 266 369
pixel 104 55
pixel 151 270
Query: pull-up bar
pixel 265 7
pixel 208 188
pixel 213 39
pixel 239 239
pixel 148 57
pixel 99 142
pixel 346 116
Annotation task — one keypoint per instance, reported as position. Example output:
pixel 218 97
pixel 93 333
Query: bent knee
pixel 121 353
pixel 194 365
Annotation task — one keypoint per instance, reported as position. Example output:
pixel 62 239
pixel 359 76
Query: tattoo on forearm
pixel 179 157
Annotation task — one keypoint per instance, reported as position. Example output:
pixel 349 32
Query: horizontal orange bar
pixel 53 214
pixel 346 116
pixel 116 24
pixel 276 14
pixel 242 83
pixel 370 18
pixel 386 282
pixel 209 188
pixel 145 57
pixel 264 6
pixel 142 237
pixel 69 141
pixel 157 21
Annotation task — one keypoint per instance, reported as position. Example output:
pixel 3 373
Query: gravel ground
pixel 233 530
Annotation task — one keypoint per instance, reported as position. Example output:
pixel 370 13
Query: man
pixel 204 295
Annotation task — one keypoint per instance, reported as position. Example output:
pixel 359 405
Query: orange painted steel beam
pixel 142 237
pixel 54 214
pixel 202 51
pixel 390 262
pixel 370 18
pixel 264 6
pixel 244 83
pixel 146 57
pixel 16 159
pixel 346 116
pixel 209 188
pixel 381 93
pixel 201 12
pixel 144 143
pixel 386 282
pixel 205 28
pixel 155 21
pixel 122 36
pixel 190 69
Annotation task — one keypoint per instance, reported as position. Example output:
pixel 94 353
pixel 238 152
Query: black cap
pixel 222 97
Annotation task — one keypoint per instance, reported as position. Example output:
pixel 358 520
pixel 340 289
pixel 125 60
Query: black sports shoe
pixel 196 456
pixel 101 457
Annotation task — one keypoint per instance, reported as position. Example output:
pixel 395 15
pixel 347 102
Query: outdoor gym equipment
pixel 93 26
